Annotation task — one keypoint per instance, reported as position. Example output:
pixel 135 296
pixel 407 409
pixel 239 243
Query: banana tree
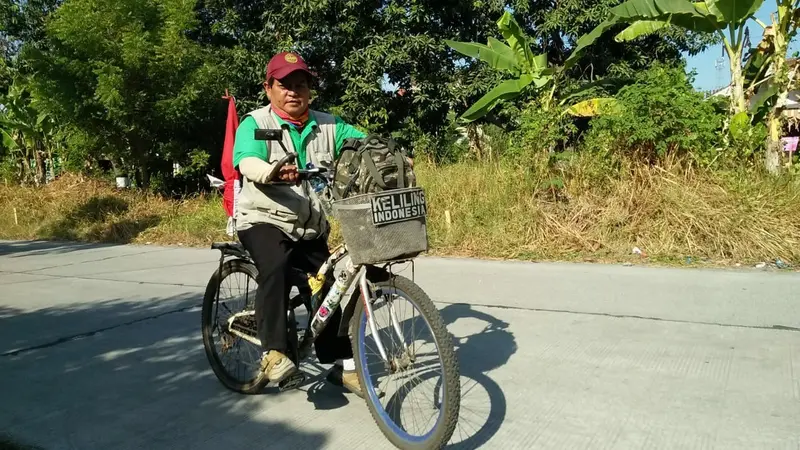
pixel 768 71
pixel 26 132
pixel 530 72
pixel 514 57
pixel 17 138
pixel 725 18
pixel 594 107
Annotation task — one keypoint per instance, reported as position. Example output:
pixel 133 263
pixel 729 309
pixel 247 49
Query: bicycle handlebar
pixel 275 135
pixel 289 158
pixel 307 173
pixel 304 174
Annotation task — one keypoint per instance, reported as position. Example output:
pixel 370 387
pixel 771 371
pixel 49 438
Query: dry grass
pixel 600 213
pixel 603 212
pixel 89 210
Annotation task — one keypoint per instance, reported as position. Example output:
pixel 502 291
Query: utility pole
pixel 719 65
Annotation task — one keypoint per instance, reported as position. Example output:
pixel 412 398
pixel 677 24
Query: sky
pixel 708 76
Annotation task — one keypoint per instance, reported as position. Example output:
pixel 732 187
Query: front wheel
pixel 414 397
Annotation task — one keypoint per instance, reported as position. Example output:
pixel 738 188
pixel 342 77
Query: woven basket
pixel 385 226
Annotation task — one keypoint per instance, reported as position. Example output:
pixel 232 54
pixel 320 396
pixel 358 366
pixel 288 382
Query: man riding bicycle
pixel 283 225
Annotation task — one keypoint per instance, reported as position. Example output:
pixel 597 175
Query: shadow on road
pixel 23 249
pixel 8 443
pixel 483 403
pixel 123 374
pixel 43 328
pixel 87 253
pixel 141 383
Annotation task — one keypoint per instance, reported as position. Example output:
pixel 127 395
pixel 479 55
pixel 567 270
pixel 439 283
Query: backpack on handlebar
pixel 369 165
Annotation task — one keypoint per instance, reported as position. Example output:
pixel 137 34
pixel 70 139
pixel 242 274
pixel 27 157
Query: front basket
pixel 384 226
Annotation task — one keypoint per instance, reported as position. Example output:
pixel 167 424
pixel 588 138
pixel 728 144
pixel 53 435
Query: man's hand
pixel 289 174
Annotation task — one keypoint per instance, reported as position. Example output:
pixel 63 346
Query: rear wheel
pixel 415 397
pixel 235 361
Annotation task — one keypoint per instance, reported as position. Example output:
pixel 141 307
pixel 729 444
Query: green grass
pixel 593 211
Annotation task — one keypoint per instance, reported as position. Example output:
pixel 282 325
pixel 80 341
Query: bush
pixel 9 170
pixel 540 131
pixel 661 114
pixel 745 138
pixel 445 147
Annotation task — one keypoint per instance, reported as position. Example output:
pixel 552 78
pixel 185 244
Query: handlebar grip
pixel 288 159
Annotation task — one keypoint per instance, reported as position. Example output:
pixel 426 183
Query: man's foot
pixel 277 366
pixel 345 378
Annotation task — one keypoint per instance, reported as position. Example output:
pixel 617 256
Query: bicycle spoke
pixel 239 357
pixel 416 367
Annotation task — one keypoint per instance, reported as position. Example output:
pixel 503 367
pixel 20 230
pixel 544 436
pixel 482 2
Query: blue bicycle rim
pixel 373 396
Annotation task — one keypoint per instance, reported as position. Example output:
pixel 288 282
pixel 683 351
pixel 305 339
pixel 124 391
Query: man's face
pixel 291 94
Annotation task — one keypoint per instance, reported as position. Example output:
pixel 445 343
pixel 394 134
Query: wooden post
pixel 16 221
pixel 448 220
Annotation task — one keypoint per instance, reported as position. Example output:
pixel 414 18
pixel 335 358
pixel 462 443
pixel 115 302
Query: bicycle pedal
pixel 304 352
pixel 292 382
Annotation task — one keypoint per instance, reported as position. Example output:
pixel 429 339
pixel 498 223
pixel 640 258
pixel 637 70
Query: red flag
pixel 228 172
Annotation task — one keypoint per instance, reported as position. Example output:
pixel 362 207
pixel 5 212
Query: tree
pixel 22 22
pixel 357 45
pixel 125 73
pixel 529 73
pixel 140 81
pixel 717 17
pixel 366 52
pixel 559 25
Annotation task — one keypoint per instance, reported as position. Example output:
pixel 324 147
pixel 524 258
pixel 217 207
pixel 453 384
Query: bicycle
pixel 378 289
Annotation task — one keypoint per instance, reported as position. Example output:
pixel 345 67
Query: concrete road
pixel 100 348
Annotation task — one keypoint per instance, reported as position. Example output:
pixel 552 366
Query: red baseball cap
pixel 285 63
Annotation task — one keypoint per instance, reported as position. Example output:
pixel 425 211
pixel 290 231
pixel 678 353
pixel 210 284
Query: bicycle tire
pixel 445 427
pixel 249 387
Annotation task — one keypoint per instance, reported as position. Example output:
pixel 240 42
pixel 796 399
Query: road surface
pixel 100 348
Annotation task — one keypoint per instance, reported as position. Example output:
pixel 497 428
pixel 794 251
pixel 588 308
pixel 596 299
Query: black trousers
pixel 275 254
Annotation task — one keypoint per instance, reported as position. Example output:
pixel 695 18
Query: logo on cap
pixel 290 58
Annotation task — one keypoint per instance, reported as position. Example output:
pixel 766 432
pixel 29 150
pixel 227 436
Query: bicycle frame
pixel 333 298
pixel 329 304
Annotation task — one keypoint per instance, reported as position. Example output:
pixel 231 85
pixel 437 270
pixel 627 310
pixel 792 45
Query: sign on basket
pixel 393 207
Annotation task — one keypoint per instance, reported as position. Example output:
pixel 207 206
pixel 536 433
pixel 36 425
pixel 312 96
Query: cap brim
pixel 284 72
